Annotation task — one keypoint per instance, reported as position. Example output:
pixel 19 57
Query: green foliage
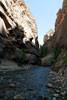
pixel 57 51
pixel 64 61
pixel 23 57
pixel 44 52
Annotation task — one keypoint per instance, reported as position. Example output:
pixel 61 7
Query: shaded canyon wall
pixel 57 44
pixel 18 32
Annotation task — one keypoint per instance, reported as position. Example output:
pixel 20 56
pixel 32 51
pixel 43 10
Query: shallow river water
pixel 28 83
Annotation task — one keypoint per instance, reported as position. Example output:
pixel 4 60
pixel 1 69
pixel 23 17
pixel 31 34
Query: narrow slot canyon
pixel 30 70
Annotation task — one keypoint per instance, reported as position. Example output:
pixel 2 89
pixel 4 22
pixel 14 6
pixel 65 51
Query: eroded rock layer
pixel 57 45
pixel 60 38
pixel 18 31
pixel 61 26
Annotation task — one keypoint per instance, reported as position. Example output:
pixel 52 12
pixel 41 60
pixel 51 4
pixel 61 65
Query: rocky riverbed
pixel 58 86
pixel 24 84
pixel 30 83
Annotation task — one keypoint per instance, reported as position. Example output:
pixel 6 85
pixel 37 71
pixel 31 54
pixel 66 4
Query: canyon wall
pixel 61 26
pixel 57 44
pixel 60 38
pixel 46 50
pixel 18 32
pixel 48 35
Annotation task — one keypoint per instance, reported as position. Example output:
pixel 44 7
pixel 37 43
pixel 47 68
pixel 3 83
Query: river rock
pixel 43 98
pixel 12 85
pixel 63 93
pixel 19 97
pixel 57 91
pixel 54 98
pixel 49 85
pixel 56 95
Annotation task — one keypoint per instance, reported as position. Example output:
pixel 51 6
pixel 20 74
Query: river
pixel 29 83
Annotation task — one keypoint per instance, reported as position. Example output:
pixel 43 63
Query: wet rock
pixel 12 85
pixel 49 85
pixel 57 91
pixel 1 78
pixel 54 98
pixel 56 95
pixel 52 73
pixel 59 86
pixel 63 93
pixel 19 97
pixel 43 98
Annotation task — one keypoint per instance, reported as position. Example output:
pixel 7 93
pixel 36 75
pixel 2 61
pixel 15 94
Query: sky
pixel 44 12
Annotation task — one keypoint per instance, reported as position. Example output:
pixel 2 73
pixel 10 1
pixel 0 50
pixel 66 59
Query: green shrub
pixel 23 57
pixel 57 51
pixel 64 61
pixel 44 52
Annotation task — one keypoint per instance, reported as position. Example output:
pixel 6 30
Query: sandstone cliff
pixel 48 35
pixel 61 26
pixel 57 45
pixel 46 50
pixel 60 38
pixel 18 31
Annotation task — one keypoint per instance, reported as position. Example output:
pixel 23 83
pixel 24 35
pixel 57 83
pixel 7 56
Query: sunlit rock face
pixel 60 38
pixel 64 3
pixel 18 30
pixel 18 13
pixel 48 35
pixel 61 26
pixel 46 50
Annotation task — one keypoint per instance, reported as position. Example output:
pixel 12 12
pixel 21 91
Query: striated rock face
pixel 46 50
pixel 60 39
pixel 18 30
pixel 57 45
pixel 64 3
pixel 61 26
pixel 16 13
pixel 48 35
